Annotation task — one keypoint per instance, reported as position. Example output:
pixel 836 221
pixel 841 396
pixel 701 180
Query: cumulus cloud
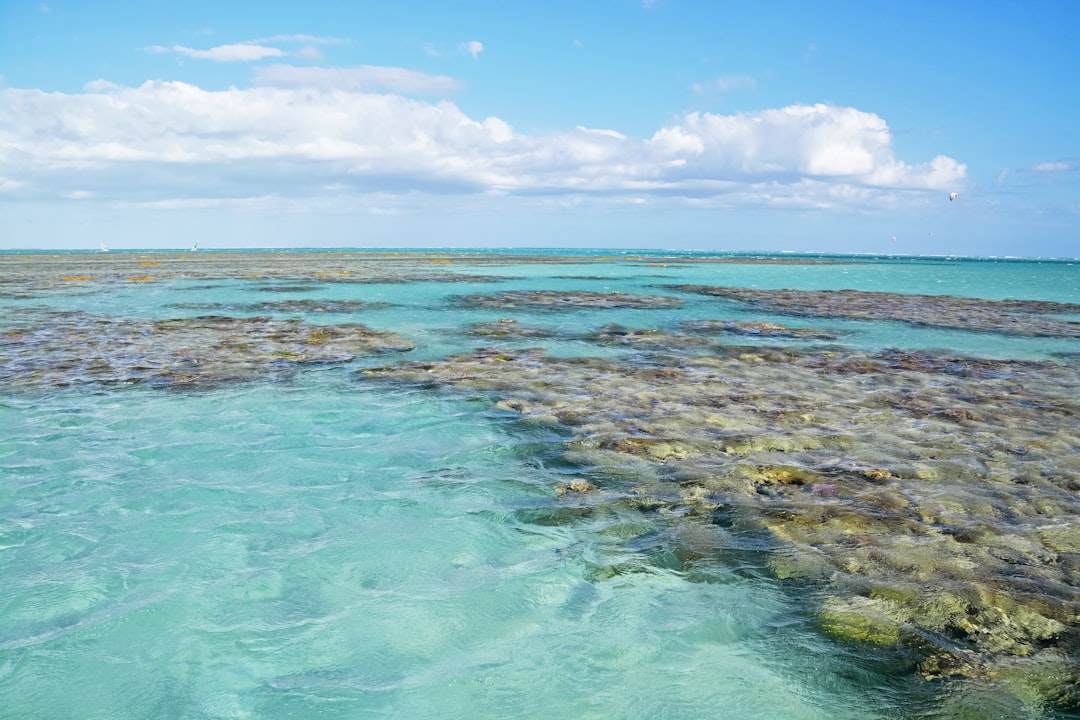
pixel 304 130
pixel 238 52
pixel 815 141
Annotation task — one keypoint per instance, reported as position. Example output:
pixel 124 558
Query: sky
pixel 673 124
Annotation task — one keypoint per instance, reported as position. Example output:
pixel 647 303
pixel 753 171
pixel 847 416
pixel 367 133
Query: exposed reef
pixel 288 306
pixel 57 349
pixel 510 329
pixel 935 500
pixel 755 329
pixel 25 276
pixel 1031 318
pixel 699 333
pixel 565 300
pixel 36 274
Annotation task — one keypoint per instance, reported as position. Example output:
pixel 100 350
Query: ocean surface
pixel 194 528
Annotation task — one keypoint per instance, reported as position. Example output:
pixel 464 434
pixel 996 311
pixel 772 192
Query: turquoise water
pixel 312 546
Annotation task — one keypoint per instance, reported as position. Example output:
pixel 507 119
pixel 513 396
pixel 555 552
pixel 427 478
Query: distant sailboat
pixel 194 247
pixel 103 248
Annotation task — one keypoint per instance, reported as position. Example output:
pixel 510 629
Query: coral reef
pixel 28 276
pixel 56 349
pixel 565 300
pixel 754 329
pixel 1015 317
pixel 936 500
pixel 340 307
pixel 931 500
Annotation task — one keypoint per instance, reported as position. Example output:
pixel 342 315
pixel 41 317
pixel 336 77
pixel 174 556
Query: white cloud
pixel 238 52
pixel 608 133
pixel 473 47
pixel 363 78
pixel 818 141
pixel 306 133
pixel 253 50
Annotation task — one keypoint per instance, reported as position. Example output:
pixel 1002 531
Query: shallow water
pixel 306 544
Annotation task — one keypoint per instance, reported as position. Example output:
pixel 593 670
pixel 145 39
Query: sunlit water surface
pixel 318 547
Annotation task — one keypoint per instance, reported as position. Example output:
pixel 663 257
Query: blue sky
pixel 825 126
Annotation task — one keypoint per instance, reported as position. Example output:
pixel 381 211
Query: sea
pixel 323 539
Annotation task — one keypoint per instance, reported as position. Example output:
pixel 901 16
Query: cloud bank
pixel 307 132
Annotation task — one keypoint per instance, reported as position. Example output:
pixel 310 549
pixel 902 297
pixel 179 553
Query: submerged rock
pixel 1032 318
pixel 55 349
pixel 754 329
pixel 565 300
pixel 933 498
pixel 576 485
pixel 25 276
pixel 289 306
pixel 510 329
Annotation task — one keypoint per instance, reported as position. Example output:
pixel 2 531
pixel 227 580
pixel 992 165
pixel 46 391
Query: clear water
pixel 317 547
